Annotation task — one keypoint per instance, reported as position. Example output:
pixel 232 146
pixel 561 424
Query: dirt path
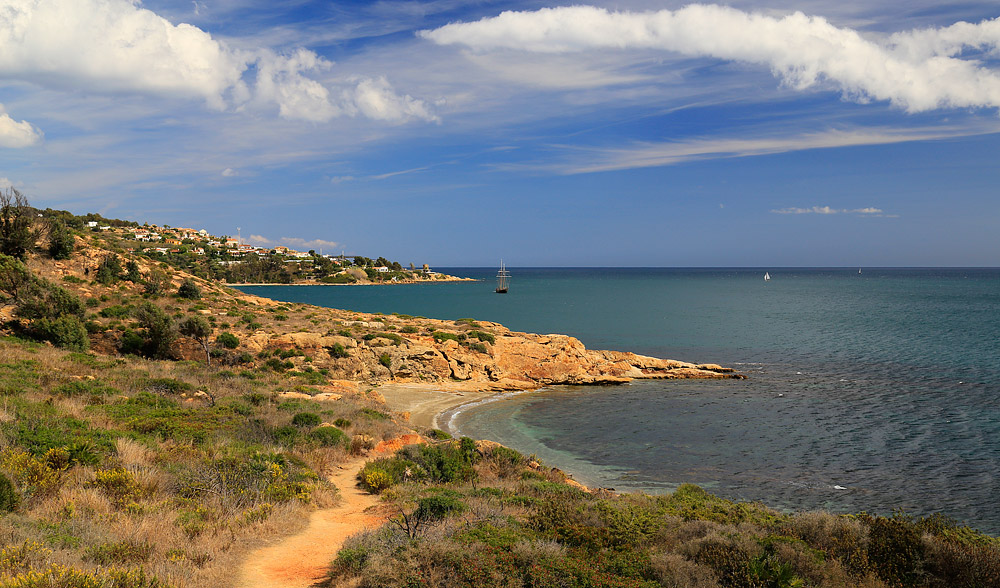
pixel 302 560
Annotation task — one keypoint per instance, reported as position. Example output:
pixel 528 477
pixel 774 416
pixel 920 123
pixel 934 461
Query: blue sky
pixel 458 132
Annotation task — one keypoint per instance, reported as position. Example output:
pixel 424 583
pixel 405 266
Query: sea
pixel 867 389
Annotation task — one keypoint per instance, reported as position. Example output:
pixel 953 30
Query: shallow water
pixel 866 392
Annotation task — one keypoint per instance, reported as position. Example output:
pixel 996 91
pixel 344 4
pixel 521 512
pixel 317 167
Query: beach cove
pixel 881 385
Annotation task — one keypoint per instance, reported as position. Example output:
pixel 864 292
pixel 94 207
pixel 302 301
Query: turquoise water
pixel 866 392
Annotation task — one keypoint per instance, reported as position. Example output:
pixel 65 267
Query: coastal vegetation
pixel 470 514
pixel 156 426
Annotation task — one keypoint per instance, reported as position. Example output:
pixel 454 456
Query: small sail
pixel 767 276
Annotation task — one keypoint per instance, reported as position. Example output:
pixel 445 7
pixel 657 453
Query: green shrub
pixel 116 311
pixel 119 553
pixel 66 331
pixel 438 434
pixel 338 351
pixel 189 289
pixel 483 336
pixel 329 436
pixel 396 339
pixel 306 419
pixel 342 423
pixel 476 347
pixel 467 321
pixel 435 508
pixel 227 340
pixel 442 336
pixel 385 359
pixel 9 497
pixel 118 485
pixel 409 329
pixel 109 271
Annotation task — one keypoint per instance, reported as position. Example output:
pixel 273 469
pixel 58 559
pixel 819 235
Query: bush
pixel 9 498
pixel 109 271
pixel 435 508
pixel 338 351
pixel 227 340
pixel 409 329
pixel 188 289
pixel 306 419
pixel 329 436
pixel 442 336
pixel 342 423
pixel 385 359
pixel 61 240
pixel 67 332
pixel 483 336
pixel 120 553
pixel 396 339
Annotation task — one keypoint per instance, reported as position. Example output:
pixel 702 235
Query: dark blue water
pixel 870 392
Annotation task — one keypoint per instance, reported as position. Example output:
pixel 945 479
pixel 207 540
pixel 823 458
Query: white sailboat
pixel 767 276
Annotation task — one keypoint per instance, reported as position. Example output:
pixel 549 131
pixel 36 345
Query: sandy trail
pixel 302 560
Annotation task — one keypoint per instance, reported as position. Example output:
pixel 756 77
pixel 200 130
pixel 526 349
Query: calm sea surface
pixel 869 392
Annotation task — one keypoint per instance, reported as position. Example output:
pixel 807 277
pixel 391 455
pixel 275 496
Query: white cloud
pixel 376 99
pixel 260 240
pixel 827 210
pixel 650 154
pixel 5 183
pixel 303 244
pixel 229 172
pixel 916 70
pixel 110 46
pixel 15 134
pixel 341 179
pixel 292 242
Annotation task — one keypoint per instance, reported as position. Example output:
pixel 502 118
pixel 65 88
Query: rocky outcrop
pixel 511 361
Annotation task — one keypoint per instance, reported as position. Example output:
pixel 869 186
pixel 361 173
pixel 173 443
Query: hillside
pixel 183 426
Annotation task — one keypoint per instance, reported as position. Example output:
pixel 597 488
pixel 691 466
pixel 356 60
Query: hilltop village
pixel 231 259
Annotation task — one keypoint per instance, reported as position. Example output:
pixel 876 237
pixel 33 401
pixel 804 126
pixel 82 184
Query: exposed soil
pixel 302 560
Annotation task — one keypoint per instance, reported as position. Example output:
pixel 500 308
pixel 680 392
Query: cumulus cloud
pixel 229 172
pixel 15 134
pixel 827 210
pixel 916 70
pixel 376 99
pixel 117 46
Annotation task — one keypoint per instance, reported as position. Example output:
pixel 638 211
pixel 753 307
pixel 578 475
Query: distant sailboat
pixel 859 270
pixel 767 276
pixel 503 279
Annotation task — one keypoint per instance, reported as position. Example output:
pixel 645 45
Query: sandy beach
pixel 425 401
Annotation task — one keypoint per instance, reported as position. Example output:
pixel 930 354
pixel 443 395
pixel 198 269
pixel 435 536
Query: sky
pixel 457 133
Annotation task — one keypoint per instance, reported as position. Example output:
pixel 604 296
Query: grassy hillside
pixel 155 427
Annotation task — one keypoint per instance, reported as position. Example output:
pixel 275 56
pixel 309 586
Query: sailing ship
pixel 503 279
pixel 767 276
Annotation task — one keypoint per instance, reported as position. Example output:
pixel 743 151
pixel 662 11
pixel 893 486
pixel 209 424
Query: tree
pixel 61 240
pixel 17 233
pixel 110 270
pixel 197 328
pixel 160 329
pixel 14 278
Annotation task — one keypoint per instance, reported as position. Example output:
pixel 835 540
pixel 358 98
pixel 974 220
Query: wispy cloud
pixel 916 70
pixel 870 211
pixel 640 155
pixel 113 46
pixel 229 173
